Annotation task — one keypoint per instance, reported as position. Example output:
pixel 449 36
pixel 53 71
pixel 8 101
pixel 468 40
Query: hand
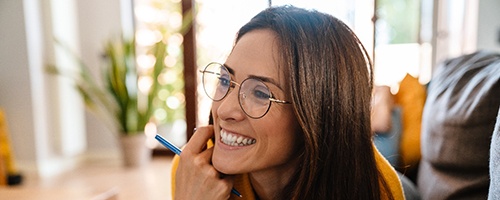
pixel 382 105
pixel 196 178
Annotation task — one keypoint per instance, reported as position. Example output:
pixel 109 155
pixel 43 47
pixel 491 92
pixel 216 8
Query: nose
pixel 229 108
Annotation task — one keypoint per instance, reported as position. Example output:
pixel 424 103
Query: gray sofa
pixel 458 120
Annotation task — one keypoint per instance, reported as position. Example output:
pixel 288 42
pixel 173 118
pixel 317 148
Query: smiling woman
pixel 291 117
pixel 255 55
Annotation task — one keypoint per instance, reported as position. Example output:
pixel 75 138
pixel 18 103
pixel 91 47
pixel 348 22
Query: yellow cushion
pixel 411 98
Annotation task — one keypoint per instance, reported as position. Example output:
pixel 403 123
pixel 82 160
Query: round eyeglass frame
pixel 233 84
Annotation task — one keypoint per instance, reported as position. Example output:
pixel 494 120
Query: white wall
pixel 98 21
pixel 15 90
pixel 489 25
pixel 43 117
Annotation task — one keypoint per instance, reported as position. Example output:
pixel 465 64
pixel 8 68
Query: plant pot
pixel 135 153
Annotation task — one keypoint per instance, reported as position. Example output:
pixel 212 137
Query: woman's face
pixel 271 141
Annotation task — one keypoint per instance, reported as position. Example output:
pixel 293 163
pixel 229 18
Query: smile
pixel 234 140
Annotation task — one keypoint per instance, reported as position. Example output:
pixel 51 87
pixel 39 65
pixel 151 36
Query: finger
pixel 227 184
pixel 198 141
pixel 204 158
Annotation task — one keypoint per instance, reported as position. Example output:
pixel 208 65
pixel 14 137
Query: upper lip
pixel 234 132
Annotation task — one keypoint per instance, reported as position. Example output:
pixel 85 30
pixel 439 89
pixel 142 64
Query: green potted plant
pixel 118 99
pixel 121 77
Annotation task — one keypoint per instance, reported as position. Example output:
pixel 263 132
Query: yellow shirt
pixel 243 185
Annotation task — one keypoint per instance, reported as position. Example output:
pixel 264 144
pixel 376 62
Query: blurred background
pixel 50 130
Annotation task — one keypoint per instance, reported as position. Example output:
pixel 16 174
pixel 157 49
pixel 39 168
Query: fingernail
pixel 194 130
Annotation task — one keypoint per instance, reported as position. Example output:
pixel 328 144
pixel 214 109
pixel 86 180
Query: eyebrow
pixel 262 78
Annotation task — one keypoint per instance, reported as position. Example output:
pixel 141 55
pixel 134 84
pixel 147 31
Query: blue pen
pixel 178 151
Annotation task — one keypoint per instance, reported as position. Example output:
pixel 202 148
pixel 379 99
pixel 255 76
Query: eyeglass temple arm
pixel 205 71
pixel 279 101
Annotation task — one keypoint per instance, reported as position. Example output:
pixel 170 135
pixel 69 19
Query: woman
pixel 291 117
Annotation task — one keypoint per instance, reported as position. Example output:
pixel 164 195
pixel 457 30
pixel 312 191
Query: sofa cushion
pixel 457 124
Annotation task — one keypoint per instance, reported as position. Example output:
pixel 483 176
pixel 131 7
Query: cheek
pixel 282 148
pixel 283 136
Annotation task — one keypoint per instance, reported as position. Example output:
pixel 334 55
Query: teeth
pixel 233 140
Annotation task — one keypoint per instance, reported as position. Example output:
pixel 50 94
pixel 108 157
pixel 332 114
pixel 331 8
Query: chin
pixel 224 166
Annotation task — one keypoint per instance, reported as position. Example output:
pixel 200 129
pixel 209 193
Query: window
pixel 161 21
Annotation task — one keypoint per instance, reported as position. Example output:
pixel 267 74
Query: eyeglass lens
pixel 253 94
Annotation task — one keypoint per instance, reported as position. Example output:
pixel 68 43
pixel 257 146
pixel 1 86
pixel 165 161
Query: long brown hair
pixel 329 77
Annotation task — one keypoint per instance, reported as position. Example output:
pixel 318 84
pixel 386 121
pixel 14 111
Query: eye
pixel 261 93
pixel 225 82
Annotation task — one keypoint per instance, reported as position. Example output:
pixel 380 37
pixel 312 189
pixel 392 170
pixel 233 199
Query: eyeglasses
pixel 253 95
